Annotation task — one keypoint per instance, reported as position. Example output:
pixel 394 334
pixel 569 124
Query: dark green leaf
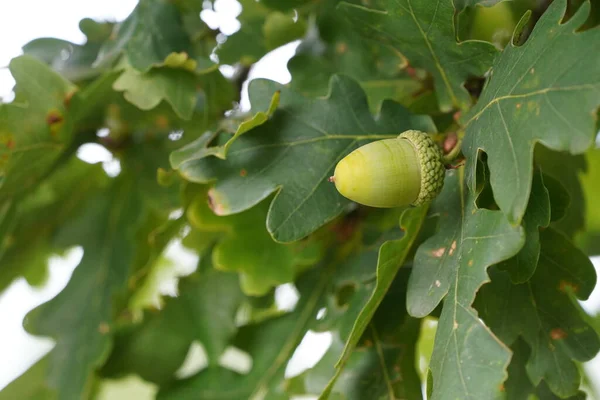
pixel 543 91
pixel 532 309
pixel 81 316
pixel 424 33
pixel 522 266
pixel 300 140
pixel 30 240
pixel 392 255
pixel 519 387
pixel 204 310
pixel 468 361
pixel 151 33
pixel 566 169
pixel 270 344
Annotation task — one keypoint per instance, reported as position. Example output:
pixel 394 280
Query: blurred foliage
pixel 473 296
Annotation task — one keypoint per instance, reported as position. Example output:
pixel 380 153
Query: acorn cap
pixel 431 165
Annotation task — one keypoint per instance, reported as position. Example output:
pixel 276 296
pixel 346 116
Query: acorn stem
pixel 452 148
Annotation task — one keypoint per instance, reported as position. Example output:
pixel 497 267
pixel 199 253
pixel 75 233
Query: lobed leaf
pixel 293 153
pixel 245 246
pixel 270 343
pixel 544 91
pixel 424 33
pixel 36 128
pixel 392 255
pixel 147 90
pixel 80 318
pixel 204 310
pixel 522 266
pixel 147 37
pixel 533 307
pixel 519 386
pixel 468 361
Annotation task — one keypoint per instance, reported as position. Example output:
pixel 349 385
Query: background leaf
pixel 424 33
pixel 562 271
pixel 81 326
pixel 28 151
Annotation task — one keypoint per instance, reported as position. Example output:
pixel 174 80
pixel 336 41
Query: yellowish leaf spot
pixel 341 48
pixel 103 328
pixel 558 334
pixel 568 287
pixel 452 248
pixel 438 252
pixel 215 203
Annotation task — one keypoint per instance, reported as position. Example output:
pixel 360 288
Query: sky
pixel 24 20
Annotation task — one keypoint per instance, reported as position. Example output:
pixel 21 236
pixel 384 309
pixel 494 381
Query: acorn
pixel 407 170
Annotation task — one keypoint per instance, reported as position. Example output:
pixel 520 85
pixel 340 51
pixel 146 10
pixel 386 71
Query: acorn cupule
pixel 407 170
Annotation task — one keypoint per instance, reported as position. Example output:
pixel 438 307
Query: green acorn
pixel 407 170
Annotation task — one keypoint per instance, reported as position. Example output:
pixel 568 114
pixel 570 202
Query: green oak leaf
pixel 269 343
pixel 147 89
pixel 468 361
pixel 522 266
pixel 261 30
pixel 245 246
pixel 247 45
pixel 72 60
pixel 147 37
pixel 29 241
pixel 31 385
pixel 204 310
pixel 303 139
pixel 567 170
pixel 392 255
pixel 529 309
pixel 146 160
pixel 213 93
pixel 35 128
pixel 280 28
pixel 200 148
pixel 424 33
pixel 383 368
pixel 333 46
pixel 519 387
pixel 461 4
pixel 544 91
pixel 155 349
pixel 80 318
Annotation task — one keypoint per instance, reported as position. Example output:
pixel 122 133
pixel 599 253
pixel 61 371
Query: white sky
pixel 24 20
